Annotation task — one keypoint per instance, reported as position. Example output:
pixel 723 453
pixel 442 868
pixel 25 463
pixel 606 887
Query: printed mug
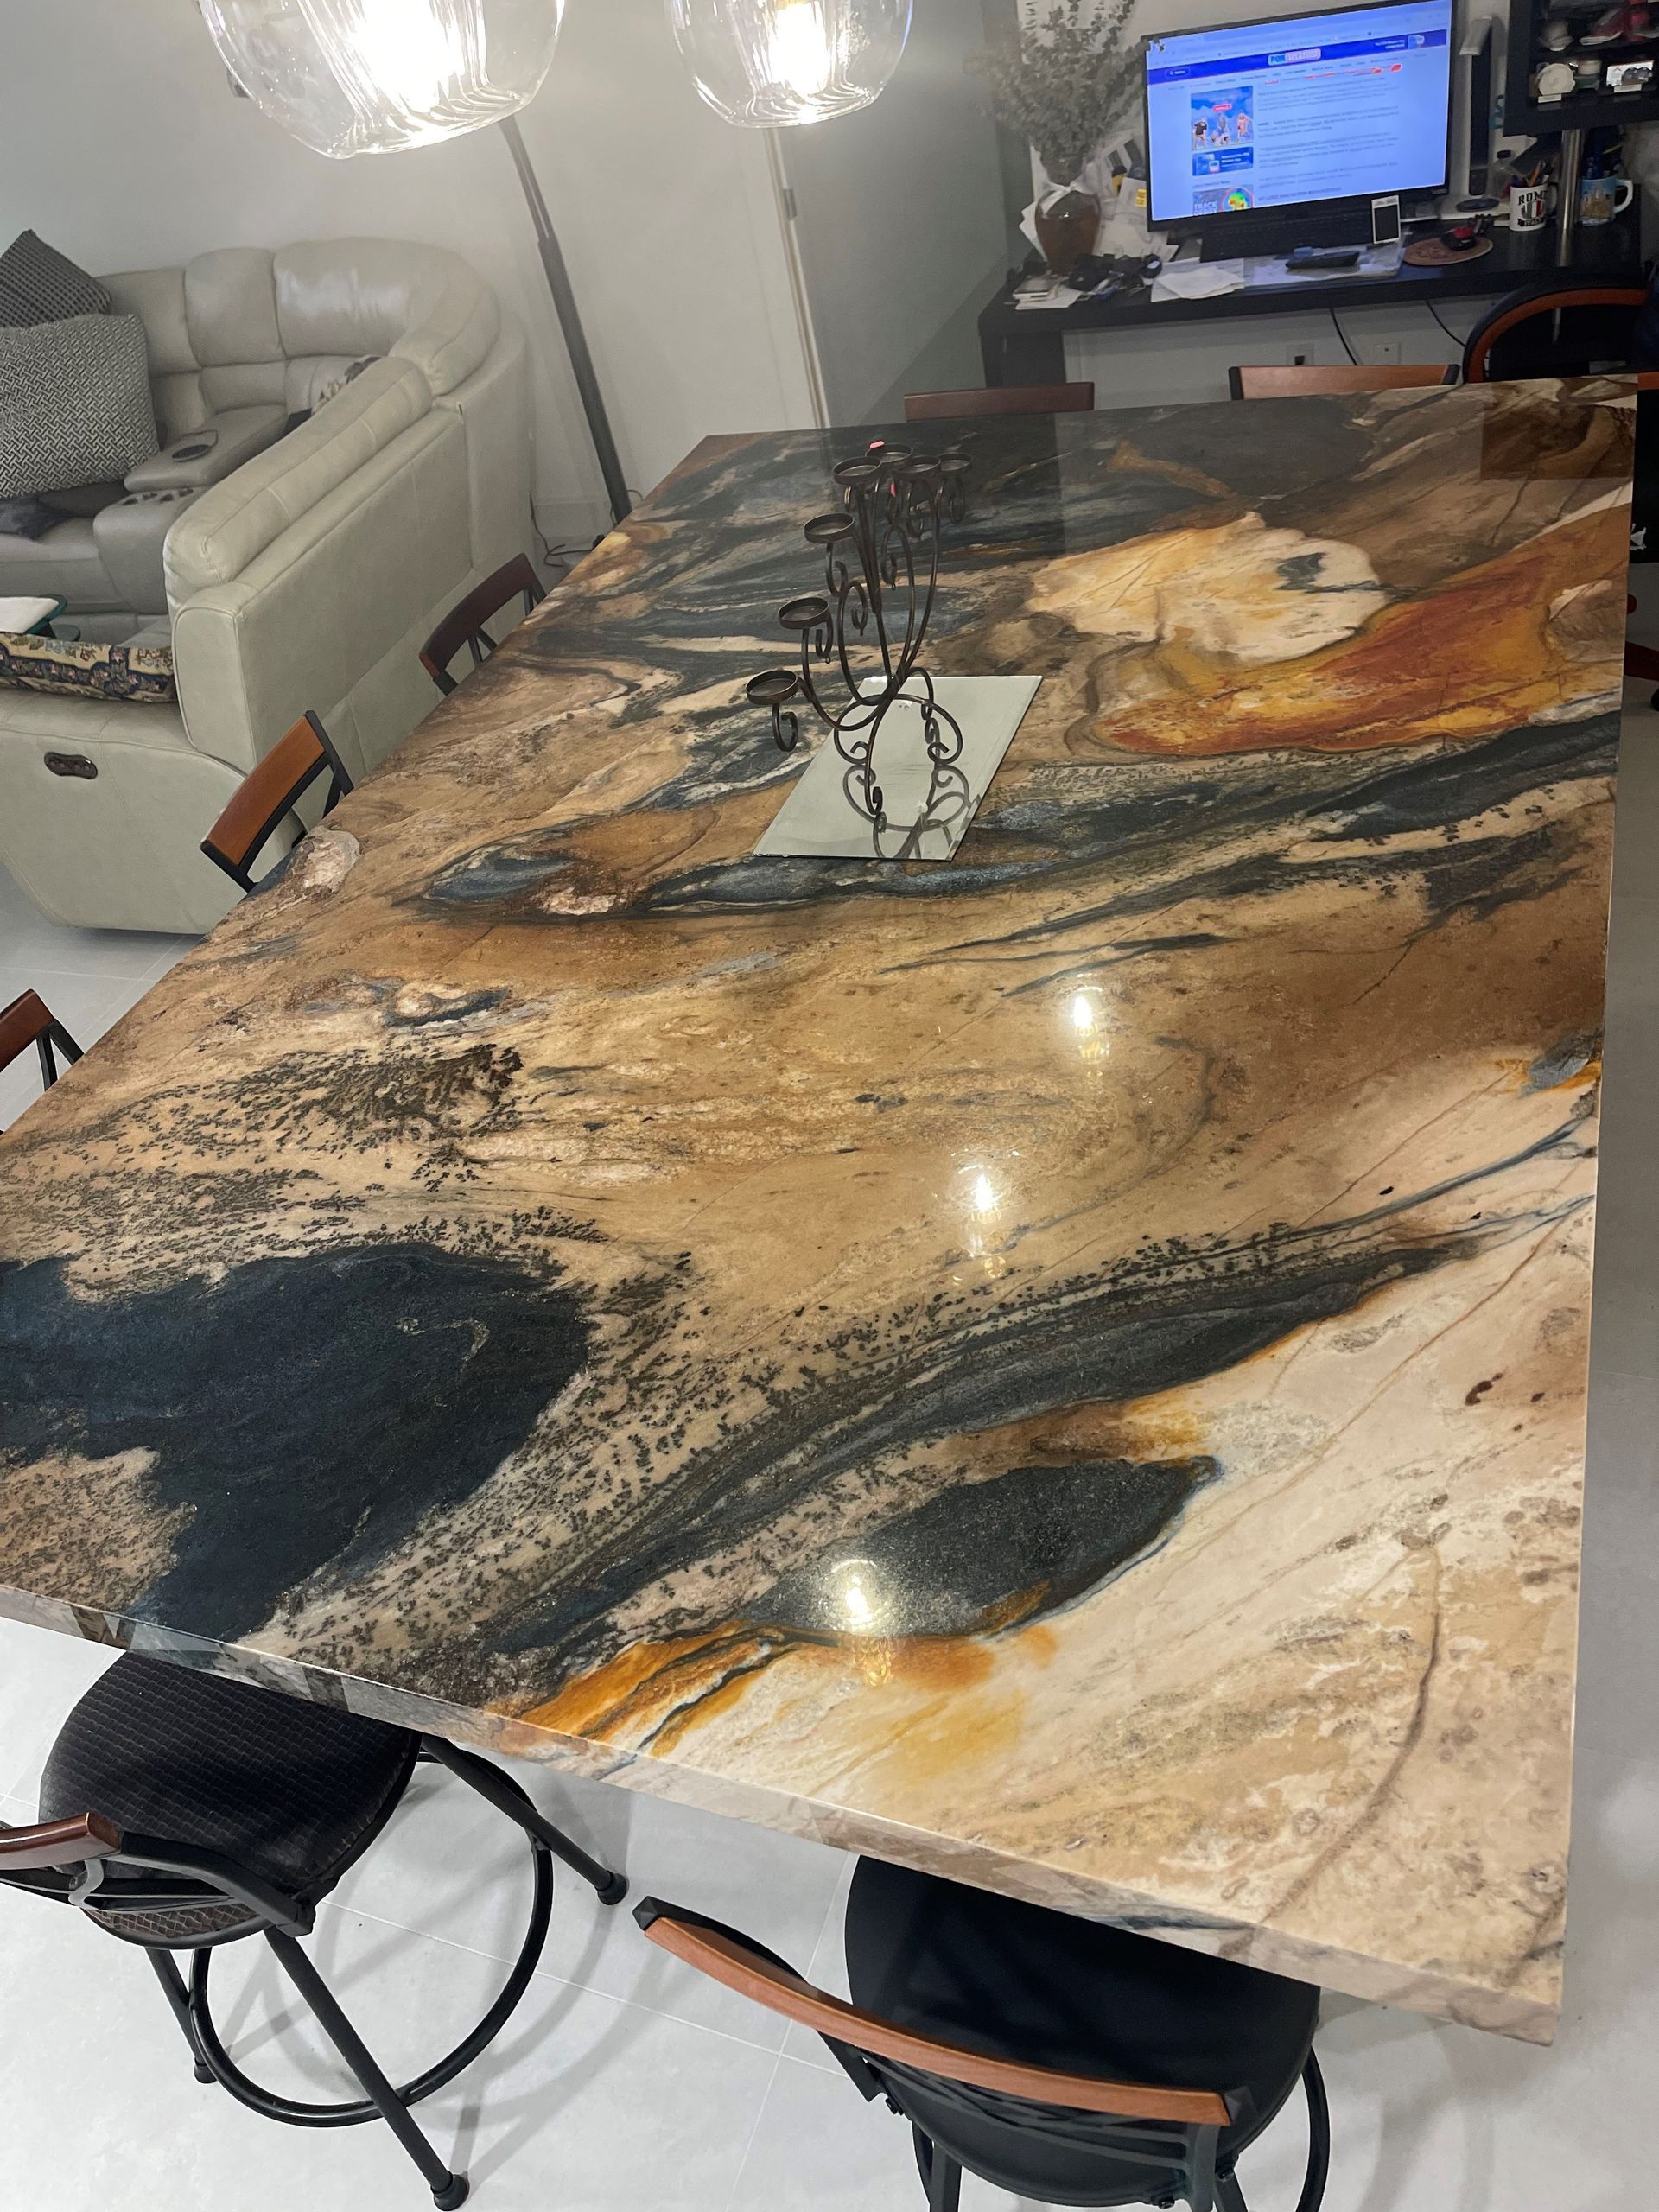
pixel 1527 205
pixel 1600 198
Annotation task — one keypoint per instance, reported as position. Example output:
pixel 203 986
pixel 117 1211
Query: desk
pixel 1067 1369
pixel 1027 344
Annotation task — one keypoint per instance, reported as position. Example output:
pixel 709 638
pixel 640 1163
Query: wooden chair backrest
pixel 726 1958
pixel 1511 312
pixel 1000 399
pixel 269 791
pixel 1288 381
pixel 464 624
pixel 28 1020
pixel 58 1843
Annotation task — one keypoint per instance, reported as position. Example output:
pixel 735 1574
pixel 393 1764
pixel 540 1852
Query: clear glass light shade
pixel 368 76
pixel 765 63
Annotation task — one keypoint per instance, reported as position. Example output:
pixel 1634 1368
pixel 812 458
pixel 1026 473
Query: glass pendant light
pixel 765 63
pixel 368 76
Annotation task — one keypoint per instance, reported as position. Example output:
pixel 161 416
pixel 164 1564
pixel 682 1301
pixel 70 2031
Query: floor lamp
pixel 575 339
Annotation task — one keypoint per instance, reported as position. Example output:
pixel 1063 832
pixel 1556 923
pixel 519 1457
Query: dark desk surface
pixel 1027 345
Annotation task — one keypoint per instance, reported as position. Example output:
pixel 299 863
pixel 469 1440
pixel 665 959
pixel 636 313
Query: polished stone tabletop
pixel 1066 1368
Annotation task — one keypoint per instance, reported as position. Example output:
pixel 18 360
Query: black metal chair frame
pixel 1181 2158
pixel 54 1036
pixel 189 1879
pixel 339 783
pixel 515 576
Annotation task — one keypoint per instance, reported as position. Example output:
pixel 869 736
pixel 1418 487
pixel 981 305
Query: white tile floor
pixel 626 2081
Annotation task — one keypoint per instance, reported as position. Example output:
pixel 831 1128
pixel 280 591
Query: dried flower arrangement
pixel 1064 80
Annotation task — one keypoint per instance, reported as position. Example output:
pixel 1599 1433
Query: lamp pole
pixel 575 339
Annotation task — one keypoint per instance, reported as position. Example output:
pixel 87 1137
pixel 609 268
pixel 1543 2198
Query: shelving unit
pixel 1569 118
pixel 1596 111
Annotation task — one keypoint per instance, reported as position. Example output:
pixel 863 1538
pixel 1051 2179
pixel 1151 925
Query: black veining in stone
pixel 326 1401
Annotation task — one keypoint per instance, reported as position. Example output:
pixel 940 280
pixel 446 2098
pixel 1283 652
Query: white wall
pixel 901 223
pixel 121 143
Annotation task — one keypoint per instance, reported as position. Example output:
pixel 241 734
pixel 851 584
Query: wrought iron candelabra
pixel 881 567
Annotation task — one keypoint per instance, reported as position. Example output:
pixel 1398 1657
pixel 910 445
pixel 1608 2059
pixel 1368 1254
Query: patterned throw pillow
pixel 74 403
pixel 142 673
pixel 40 285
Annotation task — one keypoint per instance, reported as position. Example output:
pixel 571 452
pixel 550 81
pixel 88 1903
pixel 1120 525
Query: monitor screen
pixel 1349 104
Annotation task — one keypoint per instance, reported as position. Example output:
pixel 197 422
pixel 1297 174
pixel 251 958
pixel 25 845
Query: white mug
pixel 1599 201
pixel 1527 206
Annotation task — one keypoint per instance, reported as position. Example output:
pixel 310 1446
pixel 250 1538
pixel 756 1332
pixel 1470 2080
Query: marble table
pixel 1067 1369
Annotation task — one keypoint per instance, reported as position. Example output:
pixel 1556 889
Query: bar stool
pixel 28 1020
pixel 464 624
pixel 270 791
pixel 1054 2057
pixel 180 1810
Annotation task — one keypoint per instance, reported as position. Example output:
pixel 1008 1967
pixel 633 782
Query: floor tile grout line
pixel 754 2129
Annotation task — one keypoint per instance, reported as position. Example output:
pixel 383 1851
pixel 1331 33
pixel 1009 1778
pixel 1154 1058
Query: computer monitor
pixel 1250 126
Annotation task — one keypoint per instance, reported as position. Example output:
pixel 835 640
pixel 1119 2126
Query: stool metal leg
pixel 1229 2195
pixel 178 1997
pixel 448 2190
pixel 502 1791
pixel 1319 2138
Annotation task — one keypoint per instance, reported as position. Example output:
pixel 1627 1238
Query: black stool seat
pixel 293 1791
pixel 1021 1982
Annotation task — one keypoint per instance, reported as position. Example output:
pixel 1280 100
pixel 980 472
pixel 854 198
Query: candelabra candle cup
pixel 882 564
pixel 773 689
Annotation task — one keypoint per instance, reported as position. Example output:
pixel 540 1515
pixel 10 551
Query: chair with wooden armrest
pixel 28 1020
pixel 1304 379
pixel 1055 2058
pixel 464 624
pixel 180 1810
pixel 1000 399
pixel 271 791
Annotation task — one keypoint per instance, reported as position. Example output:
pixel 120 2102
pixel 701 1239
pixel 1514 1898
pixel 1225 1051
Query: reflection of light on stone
pixel 1085 1017
pixel 857 1595
pixel 984 1193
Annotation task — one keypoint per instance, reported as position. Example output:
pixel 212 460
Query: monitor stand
pixel 1243 237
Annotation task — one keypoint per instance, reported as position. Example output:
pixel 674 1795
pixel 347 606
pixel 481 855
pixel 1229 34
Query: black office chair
pixel 180 1810
pixel 1557 328
pixel 1054 2057
pixel 1562 328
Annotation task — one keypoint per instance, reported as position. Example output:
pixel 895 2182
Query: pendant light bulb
pixel 763 63
pixel 349 77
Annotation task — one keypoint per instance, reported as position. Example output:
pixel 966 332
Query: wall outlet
pixel 1387 351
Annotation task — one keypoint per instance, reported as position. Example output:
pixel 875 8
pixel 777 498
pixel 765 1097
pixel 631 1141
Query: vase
pixel 1066 229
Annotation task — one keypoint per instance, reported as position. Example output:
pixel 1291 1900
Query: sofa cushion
pixel 40 285
pixel 143 674
pixel 383 296
pixel 74 403
pixel 235 521
pixel 65 564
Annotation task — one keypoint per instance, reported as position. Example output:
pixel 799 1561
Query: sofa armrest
pixel 232 524
pixel 229 439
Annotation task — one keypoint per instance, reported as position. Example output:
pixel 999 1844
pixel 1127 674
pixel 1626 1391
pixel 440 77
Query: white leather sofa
pixel 305 575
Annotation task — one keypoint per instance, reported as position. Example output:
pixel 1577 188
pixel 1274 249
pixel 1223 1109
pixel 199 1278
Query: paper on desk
pixel 1063 296
pixel 1199 279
